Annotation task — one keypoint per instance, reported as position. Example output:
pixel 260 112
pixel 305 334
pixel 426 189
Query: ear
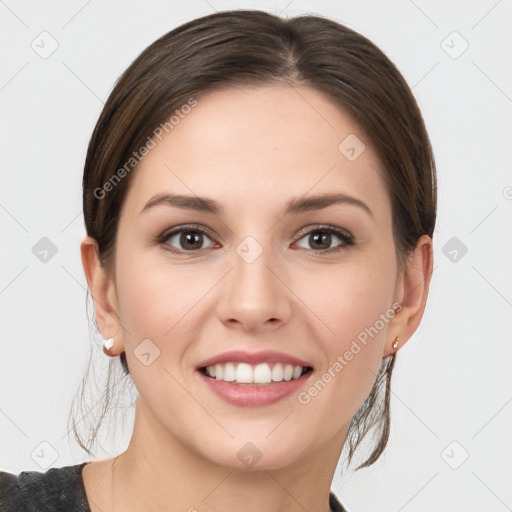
pixel 103 292
pixel 411 293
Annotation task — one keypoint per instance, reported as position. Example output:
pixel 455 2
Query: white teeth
pixel 261 373
pixel 288 372
pixel 244 373
pixel 277 372
pixel 229 372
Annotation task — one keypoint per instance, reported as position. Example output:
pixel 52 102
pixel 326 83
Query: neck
pixel 148 476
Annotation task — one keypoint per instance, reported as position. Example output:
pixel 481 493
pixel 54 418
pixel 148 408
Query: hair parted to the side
pixel 237 48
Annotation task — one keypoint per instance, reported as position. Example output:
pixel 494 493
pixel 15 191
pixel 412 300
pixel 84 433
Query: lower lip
pixel 253 395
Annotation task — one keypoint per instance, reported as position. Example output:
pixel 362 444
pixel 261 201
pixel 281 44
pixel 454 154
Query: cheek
pixel 354 303
pixel 154 298
pixel 153 310
pixel 349 300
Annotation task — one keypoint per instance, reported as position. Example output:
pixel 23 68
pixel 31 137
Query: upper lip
pixel 265 356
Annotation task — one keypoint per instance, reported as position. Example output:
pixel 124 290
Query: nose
pixel 254 295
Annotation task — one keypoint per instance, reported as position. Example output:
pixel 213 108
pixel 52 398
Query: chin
pixel 246 453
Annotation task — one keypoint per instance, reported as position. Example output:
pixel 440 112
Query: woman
pixel 259 196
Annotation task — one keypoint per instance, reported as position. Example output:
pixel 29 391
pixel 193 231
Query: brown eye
pixel 320 239
pixel 184 240
pixel 191 240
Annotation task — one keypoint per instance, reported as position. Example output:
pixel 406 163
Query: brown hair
pixel 257 48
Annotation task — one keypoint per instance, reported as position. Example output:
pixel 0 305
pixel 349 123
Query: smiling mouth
pixel 258 374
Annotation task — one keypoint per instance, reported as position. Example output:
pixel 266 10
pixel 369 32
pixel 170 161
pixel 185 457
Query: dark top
pixel 59 489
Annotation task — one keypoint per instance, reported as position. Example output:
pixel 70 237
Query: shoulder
pixel 57 489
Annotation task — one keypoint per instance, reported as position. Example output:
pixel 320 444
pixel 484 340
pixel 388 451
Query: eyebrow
pixel 294 206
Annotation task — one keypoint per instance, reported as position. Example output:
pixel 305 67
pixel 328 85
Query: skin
pixel 251 149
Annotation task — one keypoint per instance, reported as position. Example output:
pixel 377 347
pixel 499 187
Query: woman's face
pixel 256 280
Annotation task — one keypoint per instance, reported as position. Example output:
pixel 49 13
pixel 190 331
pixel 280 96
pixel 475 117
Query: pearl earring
pixel 395 343
pixel 107 345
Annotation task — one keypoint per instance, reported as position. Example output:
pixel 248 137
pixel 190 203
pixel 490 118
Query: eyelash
pixel 346 238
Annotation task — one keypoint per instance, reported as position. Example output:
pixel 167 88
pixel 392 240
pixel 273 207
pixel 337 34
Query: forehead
pixel 260 146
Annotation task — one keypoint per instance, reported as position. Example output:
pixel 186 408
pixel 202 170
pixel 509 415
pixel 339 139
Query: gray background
pixel 450 444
